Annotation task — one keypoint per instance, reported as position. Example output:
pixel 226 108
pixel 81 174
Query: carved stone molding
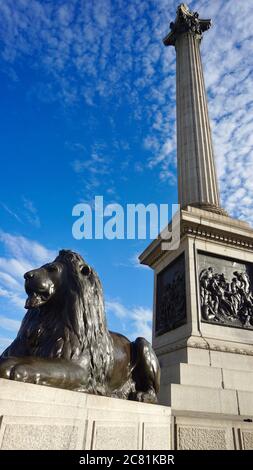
pixel 186 22
pixel 216 347
pixel 215 235
pixel 209 207
pixel 204 345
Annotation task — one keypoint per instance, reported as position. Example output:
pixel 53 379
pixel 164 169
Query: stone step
pixel 203 399
pixel 207 376
pixel 237 360
pixel 188 374
pixel 238 380
pixel 195 399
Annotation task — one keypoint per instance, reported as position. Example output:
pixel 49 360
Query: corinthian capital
pixel 186 21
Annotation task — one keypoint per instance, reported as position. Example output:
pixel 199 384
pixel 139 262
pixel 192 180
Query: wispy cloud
pixel 21 255
pixel 31 212
pixel 27 212
pixel 139 318
pixel 9 324
pixel 25 249
pixel 92 167
pixel 4 343
pixel 14 298
pixel 11 212
pixel 135 262
pixel 112 51
pixel 228 71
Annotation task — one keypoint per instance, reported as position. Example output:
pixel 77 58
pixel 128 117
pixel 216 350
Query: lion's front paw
pixel 12 368
pixel 25 373
pixel 7 365
pixel 147 397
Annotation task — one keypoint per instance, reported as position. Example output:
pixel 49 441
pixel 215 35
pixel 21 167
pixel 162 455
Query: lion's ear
pixel 85 270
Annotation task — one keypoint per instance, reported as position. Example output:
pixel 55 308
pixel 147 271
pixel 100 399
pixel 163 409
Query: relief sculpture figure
pixel 226 302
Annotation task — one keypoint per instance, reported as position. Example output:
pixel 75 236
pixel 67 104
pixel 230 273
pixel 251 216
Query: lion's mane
pixel 77 329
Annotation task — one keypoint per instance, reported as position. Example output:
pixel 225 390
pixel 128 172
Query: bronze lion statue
pixel 64 342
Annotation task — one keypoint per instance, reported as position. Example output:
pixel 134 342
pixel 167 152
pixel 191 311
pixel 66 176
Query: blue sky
pixel 88 108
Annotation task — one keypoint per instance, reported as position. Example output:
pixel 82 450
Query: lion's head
pixel 66 306
pixel 49 282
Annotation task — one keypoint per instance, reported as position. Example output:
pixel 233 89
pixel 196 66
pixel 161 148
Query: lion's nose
pixel 29 275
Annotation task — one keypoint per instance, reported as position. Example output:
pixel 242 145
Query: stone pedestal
pixel 33 417
pixel 37 417
pixel 203 292
pixel 206 354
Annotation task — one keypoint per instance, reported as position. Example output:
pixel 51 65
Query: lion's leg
pixel 146 373
pixel 51 372
pixel 7 364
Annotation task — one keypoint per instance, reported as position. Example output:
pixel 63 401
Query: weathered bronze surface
pixel 226 294
pixel 64 342
pixel 170 297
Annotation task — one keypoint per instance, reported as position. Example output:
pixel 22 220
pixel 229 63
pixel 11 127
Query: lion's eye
pixel 85 269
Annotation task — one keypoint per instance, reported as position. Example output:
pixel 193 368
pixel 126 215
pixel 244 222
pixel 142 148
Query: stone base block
pixel 207 376
pixel 193 398
pixel 37 417
pixel 198 432
pixel 221 354
pixel 204 399
pixel 188 374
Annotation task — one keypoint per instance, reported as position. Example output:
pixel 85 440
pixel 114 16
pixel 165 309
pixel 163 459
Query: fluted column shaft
pixel 197 180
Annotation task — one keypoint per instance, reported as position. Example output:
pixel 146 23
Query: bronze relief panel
pixel 171 297
pixel 226 291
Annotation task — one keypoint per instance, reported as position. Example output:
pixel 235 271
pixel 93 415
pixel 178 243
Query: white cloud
pixel 135 262
pixel 9 324
pixel 117 309
pixel 94 169
pixel 226 52
pixel 21 255
pixel 24 249
pixel 11 212
pixel 8 280
pixel 4 343
pixel 14 267
pixel 139 318
pixel 113 50
pixel 31 213
pixel 109 54
pixel 142 319
pixel 13 297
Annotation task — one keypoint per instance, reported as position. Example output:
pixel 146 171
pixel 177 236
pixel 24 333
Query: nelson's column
pixel 203 290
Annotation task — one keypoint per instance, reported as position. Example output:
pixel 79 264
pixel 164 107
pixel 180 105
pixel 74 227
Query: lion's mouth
pixel 36 299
